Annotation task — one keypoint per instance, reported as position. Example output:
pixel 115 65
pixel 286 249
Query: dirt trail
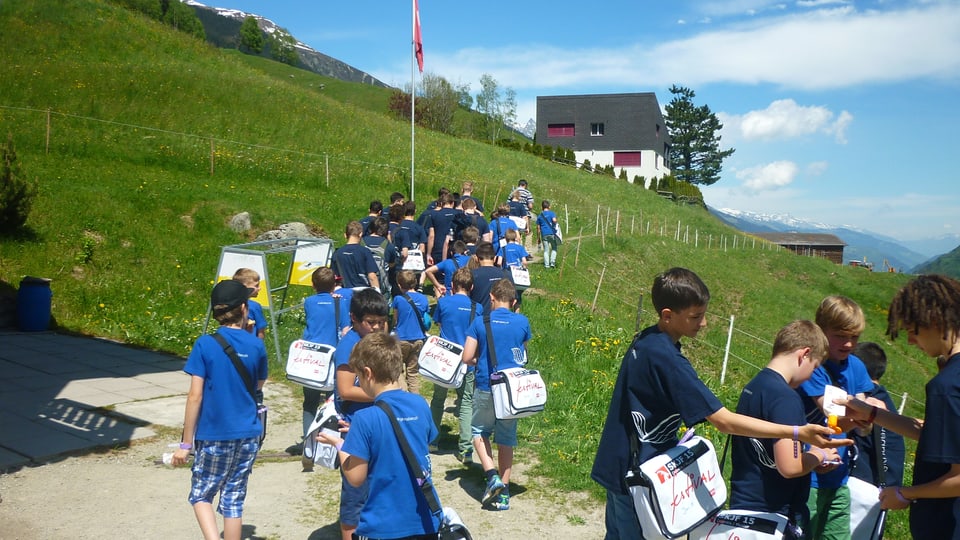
pixel 125 493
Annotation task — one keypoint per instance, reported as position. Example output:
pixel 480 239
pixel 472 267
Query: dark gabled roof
pixel 802 239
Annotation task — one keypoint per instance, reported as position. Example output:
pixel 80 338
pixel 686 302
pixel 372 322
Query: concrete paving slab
pixel 166 411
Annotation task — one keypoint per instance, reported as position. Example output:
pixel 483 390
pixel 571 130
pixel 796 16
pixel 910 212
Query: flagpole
pixel 413 93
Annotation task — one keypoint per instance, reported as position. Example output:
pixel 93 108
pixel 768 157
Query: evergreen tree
pixel 16 193
pixel 695 154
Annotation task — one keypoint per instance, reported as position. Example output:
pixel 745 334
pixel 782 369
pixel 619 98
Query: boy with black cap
pixel 221 415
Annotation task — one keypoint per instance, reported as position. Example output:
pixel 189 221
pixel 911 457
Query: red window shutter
pixel 560 130
pixel 626 159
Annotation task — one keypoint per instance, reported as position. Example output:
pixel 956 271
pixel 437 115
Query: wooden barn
pixel 827 246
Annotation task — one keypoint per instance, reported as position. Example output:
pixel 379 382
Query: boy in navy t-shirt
pixel 511 332
pixel 371 455
pixel 773 475
pixel 657 389
pixel 928 309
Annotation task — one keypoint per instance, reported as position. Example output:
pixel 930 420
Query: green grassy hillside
pixel 130 221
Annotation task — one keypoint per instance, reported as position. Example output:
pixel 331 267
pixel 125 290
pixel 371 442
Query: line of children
pixel 657 388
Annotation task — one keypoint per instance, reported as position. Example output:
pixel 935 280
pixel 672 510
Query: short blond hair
pixel 380 352
pixel 246 276
pixel 840 314
pixel 799 335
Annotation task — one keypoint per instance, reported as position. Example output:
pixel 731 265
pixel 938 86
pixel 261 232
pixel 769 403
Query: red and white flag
pixel 417 37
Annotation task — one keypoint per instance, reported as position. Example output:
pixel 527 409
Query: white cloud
pixel 817 168
pixel 785 119
pixel 812 50
pixel 770 176
pixel 818 3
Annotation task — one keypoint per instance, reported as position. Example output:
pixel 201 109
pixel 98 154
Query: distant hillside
pixel 948 264
pixel 860 244
pixel 222 27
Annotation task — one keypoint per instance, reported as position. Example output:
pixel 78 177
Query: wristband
pixel 873 414
pixel 796 439
pixel 339 445
pixel 186 446
pixel 902 498
pixel 823 455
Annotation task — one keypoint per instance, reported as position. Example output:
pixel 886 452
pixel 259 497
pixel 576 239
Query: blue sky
pixel 842 112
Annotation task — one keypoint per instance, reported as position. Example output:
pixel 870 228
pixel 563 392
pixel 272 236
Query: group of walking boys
pixel 379 499
pixel 784 459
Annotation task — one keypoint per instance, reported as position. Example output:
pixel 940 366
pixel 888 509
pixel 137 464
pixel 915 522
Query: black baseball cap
pixel 229 293
pixel 522 182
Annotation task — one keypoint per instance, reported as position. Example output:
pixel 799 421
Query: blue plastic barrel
pixel 33 304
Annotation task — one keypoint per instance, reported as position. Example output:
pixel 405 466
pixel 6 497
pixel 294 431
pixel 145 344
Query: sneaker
pixel 502 503
pixel 494 487
pixel 433 449
pixel 307 464
pixel 466 459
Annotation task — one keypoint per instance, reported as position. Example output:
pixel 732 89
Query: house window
pixel 560 130
pixel 626 159
pixel 658 131
pixel 596 130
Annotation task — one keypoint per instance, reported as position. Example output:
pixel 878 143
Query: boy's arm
pixel 792 463
pixel 431 274
pixel 190 415
pixel 737 424
pixel 942 487
pixel 904 425
pixel 430 240
pixel 470 351
pixel 354 469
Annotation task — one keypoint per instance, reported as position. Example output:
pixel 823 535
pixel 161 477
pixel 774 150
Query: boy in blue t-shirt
pixel 220 416
pixel 773 475
pixel 657 389
pixel 257 322
pixel 327 316
pixel 368 314
pixel 513 254
pixel 547 230
pixel 408 325
pixel 454 314
pixel 511 332
pixel 842 321
pixel 371 454
pixel 446 268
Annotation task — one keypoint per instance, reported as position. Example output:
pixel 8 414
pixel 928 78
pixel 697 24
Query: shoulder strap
pixel 244 374
pixel 336 316
pixel 473 310
pixel 416 310
pixel 491 351
pixel 426 487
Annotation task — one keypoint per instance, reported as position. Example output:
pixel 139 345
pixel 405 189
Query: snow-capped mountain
pixel 222 27
pixel 529 129
pixel 860 243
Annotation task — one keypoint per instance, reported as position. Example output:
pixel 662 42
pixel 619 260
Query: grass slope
pixel 130 221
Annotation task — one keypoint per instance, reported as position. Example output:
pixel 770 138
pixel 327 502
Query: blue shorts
pixel 223 467
pixel 352 500
pixel 485 421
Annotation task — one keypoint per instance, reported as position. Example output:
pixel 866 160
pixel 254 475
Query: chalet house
pixel 623 130
pixel 827 246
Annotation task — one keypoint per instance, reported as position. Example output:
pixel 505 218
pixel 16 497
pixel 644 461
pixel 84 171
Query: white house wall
pixel 651 163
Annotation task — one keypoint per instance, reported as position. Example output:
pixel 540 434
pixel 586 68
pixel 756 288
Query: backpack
pixel 379 256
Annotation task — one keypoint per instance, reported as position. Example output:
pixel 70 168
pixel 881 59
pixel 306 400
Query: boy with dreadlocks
pixel 928 308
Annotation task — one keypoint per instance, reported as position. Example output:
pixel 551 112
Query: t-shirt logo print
pixel 763 457
pixel 664 432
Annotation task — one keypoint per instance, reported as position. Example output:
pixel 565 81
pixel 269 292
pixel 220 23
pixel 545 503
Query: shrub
pixel 16 193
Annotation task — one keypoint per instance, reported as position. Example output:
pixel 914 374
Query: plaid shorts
pixel 223 467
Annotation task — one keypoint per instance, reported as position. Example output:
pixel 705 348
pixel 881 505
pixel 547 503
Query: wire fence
pixel 606 222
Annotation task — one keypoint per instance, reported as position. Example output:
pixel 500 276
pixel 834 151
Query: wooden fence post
pixel 593 306
pixel 48 131
pixel 213 150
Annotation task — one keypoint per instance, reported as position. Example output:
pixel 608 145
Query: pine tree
pixel 695 154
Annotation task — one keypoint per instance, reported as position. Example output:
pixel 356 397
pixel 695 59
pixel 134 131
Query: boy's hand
pixel 830 459
pixel 819 436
